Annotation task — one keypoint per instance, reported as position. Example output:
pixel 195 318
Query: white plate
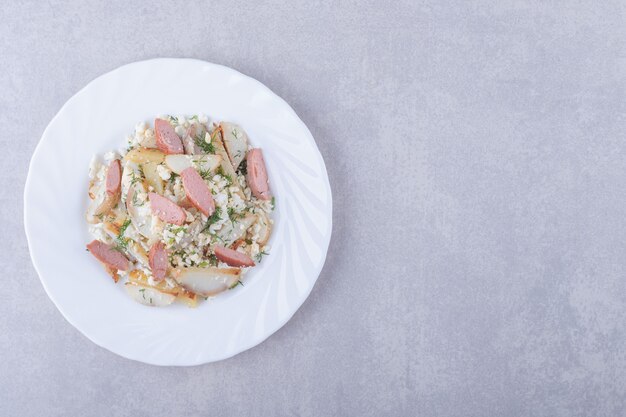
pixel 97 119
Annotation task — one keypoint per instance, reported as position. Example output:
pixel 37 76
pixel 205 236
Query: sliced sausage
pixel 257 175
pixel 197 191
pixel 167 140
pixel 114 177
pixel 232 257
pixel 189 141
pixel 166 209
pixel 106 254
pixel 158 260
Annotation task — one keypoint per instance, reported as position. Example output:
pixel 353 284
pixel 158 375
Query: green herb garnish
pixel 213 218
pixel 135 201
pixel 121 242
pixel 260 255
pixel 205 173
pixel 233 216
pixel 236 284
pixel 206 147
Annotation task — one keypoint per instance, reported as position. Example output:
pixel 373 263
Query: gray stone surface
pixel 478 162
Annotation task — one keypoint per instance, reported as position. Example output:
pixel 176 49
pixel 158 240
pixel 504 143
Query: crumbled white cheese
pixel 140 127
pixel 202 118
pixel 109 156
pixel 221 199
pixel 180 130
pixel 164 172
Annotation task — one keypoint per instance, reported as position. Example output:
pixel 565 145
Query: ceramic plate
pixel 97 119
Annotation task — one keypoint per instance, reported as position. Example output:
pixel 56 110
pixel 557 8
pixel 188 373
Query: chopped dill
pixel 260 255
pixel 228 178
pixel 121 242
pixel 213 218
pixel 236 284
pixel 233 216
pixel 177 230
pixel 205 173
pixel 134 178
pixel 136 200
pixel 202 144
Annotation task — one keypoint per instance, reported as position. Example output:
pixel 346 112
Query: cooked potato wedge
pixel 178 163
pixel 143 155
pixel 134 249
pixel 101 204
pixel 149 296
pixel 138 211
pixel 207 281
pixel 235 141
pixel 226 165
pixel 265 229
pixel 138 277
pixel 230 232
pixel 188 298
pixel 152 176
pixel 134 187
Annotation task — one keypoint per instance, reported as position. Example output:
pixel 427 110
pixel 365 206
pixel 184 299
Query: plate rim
pixel 246 346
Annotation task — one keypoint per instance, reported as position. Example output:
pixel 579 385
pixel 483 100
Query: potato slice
pixel 101 204
pixel 135 190
pixel 149 296
pixel 226 165
pixel 188 298
pixel 133 248
pixel 138 208
pixel 138 277
pixel 178 163
pixel 207 281
pixel 265 229
pixel 152 177
pixel 235 141
pixel 230 232
pixel 143 155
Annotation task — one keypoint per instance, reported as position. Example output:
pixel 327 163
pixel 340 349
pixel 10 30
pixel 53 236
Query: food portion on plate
pixel 183 212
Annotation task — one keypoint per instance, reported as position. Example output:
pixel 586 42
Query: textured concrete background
pixel 477 158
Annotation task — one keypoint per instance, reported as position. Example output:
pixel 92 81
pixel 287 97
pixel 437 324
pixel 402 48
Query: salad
pixel 183 212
